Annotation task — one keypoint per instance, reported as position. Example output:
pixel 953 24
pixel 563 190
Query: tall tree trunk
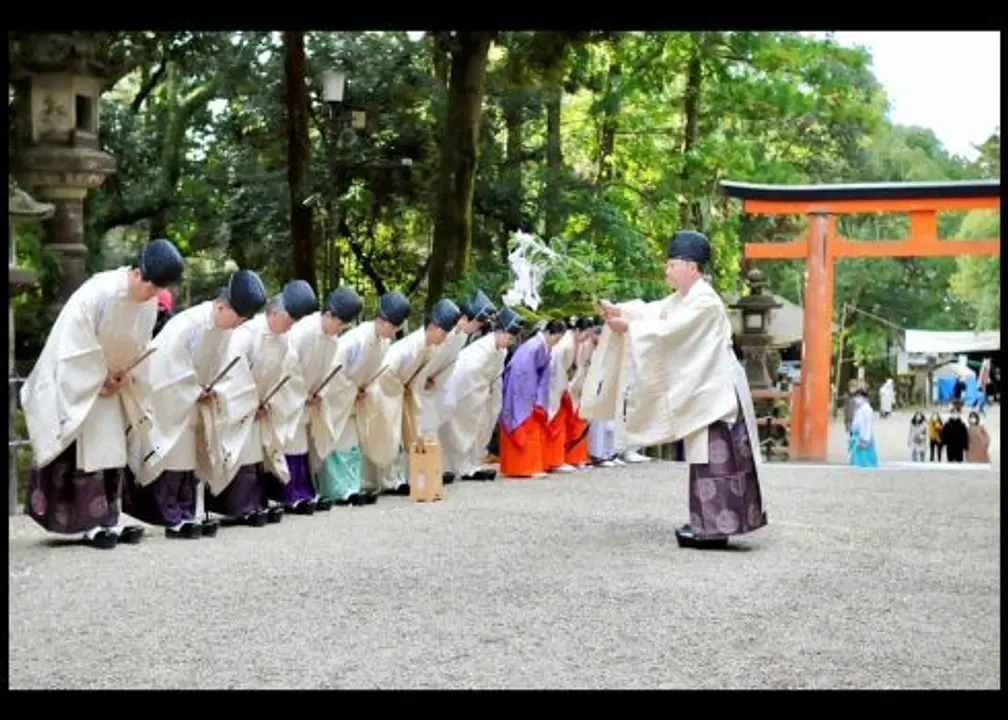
pixel 298 156
pixel 457 174
pixel 514 106
pixel 607 127
pixel 554 162
pixel 689 208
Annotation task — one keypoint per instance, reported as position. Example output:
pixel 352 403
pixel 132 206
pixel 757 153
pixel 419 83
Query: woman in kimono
pixel 197 389
pixel 861 443
pixel 263 344
pixel 80 401
pixel 525 397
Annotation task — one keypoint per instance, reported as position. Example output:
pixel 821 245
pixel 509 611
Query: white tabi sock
pixel 90 534
pixel 115 529
pixel 182 524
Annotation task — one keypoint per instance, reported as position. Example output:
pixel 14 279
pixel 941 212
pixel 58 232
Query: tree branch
pixel 148 87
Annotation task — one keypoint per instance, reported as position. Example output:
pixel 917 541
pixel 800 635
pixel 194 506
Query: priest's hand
pixel 260 413
pixel 361 393
pixel 205 397
pixel 606 309
pixel 113 383
pixel 429 384
pixel 617 324
pixel 313 401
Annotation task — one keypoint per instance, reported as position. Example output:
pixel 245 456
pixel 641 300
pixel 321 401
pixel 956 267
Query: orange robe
pixel 521 451
pixel 565 441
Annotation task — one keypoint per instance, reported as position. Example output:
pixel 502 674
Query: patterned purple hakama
pixel 64 499
pixel 168 501
pixel 243 496
pixel 300 486
pixel 724 493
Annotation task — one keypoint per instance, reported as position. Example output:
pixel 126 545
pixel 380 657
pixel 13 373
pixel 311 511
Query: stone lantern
pixel 756 340
pixel 20 207
pixel 57 80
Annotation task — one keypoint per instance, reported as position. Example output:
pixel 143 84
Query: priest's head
pixel 507 327
pixel 295 301
pixel 582 327
pixel 554 331
pixel 393 309
pixel 478 312
pixel 441 320
pixel 158 265
pixel 240 300
pixel 341 307
pixel 687 253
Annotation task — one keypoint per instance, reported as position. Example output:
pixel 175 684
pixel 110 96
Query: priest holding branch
pixel 688 385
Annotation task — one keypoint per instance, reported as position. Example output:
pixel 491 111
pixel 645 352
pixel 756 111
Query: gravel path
pixel 864 579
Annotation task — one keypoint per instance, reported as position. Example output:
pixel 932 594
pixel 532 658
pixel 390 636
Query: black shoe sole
pixel 274 515
pixel 131 534
pixel 103 540
pixel 323 505
pixel 209 528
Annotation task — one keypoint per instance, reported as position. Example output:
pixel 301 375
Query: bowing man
pixel 390 412
pixel 565 443
pixel 80 400
pixel 199 392
pixel 688 385
pixel 473 400
pixel 525 396
pixel 262 343
pixel 476 314
pixel 315 340
pixel 360 353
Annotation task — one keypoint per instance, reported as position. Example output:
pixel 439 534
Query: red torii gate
pixel 820 245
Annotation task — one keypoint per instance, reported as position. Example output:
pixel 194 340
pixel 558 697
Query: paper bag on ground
pixel 425 470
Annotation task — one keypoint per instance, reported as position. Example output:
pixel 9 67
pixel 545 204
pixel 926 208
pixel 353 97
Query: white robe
pixel 383 423
pixel 98 330
pixel 271 359
pixel 561 362
pixel 862 423
pixel 191 353
pixel 472 404
pixel 360 352
pixel 686 376
pixel 887 397
pixel 438 369
pixel 315 354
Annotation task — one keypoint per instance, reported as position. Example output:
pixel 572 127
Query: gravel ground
pixel 863 579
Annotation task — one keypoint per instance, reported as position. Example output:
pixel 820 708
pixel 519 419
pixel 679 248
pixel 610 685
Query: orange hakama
pixel 565 440
pixel 521 451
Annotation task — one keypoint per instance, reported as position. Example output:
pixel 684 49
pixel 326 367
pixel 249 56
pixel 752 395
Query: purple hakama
pixel 64 499
pixel 168 501
pixel 300 487
pixel 243 496
pixel 724 493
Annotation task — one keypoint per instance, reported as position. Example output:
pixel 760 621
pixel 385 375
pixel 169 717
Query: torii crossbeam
pixel 820 245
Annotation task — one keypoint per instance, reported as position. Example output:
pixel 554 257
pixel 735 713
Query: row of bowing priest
pixel 290 403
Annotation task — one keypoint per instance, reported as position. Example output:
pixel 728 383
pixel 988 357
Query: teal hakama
pixel 861 442
pixel 862 454
pixel 339 477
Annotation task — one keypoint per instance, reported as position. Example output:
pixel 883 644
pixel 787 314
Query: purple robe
pixel 64 499
pixel 300 486
pixel 525 383
pixel 724 493
pixel 167 502
pixel 243 496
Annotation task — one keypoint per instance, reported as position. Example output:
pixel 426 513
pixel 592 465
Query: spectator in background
pixel 978 448
pixel 849 405
pixel 887 398
pixel 935 426
pixel 917 439
pixel 955 437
